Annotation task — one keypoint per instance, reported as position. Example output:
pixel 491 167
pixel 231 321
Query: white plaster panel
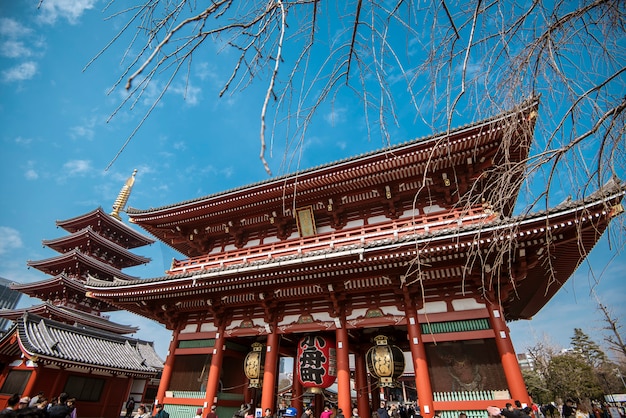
pixel 288 319
pixel 208 327
pixel 356 222
pixel 467 304
pixel 252 243
pixel 325 229
pixel 377 219
pixel 357 313
pixel 270 240
pixel 433 307
pixel 410 213
pixel 189 329
pixel 433 209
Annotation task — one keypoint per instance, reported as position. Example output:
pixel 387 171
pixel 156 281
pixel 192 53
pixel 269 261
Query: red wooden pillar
pixel 296 398
pixel 269 375
pixel 512 371
pixel 343 370
pixel 31 381
pixel 420 365
pixel 213 381
pixel 166 375
pixel 362 388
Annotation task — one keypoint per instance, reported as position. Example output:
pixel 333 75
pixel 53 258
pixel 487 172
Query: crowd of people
pixel 39 406
pixel 395 410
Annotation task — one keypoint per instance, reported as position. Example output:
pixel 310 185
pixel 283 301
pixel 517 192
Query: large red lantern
pixel 385 361
pixel 317 362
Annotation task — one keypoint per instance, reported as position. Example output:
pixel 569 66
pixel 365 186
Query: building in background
pixel 8 300
pixel 67 343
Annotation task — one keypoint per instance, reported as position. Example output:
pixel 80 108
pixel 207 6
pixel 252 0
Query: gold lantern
pixel 385 361
pixel 253 365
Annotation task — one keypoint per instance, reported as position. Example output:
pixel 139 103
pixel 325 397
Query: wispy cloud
pixel 84 131
pixel 19 43
pixel 9 239
pixel 77 167
pixel 336 116
pixel 11 28
pixel 70 10
pixel 20 72
pixel 189 93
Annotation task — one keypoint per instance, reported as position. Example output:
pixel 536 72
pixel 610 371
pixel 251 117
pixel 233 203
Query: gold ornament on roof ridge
pixel 122 198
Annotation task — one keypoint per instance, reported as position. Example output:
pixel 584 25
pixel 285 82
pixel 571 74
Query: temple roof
pixel 77 264
pixel 62 290
pixel 98 219
pixel 69 316
pixel 88 241
pixel 51 342
pixel 571 229
pixel 472 155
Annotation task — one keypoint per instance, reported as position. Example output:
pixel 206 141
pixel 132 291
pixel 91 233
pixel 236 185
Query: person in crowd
pixel 71 403
pixel 198 413
pixel 290 412
pixel 355 413
pixel 382 411
pixel 212 413
pixel 142 412
pixel 308 413
pixel 35 399
pixel 23 403
pixel 161 413
pixel 509 411
pixel 268 413
pixel 13 402
pixel 394 411
pixel 60 409
pixel 282 407
pixel 569 409
pixel 249 411
pixel 130 407
pixel 327 412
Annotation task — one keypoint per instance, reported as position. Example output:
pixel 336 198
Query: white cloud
pixel 31 174
pixel 84 131
pixel 23 141
pixel 14 49
pixel 77 167
pixel 21 72
pixel 190 94
pixel 11 28
pixel 71 10
pixel 336 116
pixel 9 239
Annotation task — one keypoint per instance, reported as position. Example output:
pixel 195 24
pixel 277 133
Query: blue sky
pixel 57 140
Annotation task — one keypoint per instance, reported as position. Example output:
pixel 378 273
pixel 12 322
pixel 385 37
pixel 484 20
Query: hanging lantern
pixel 317 362
pixel 385 361
pixel 253 365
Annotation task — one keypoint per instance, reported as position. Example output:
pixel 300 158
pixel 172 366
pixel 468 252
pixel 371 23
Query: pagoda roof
pixel 60 284
pixel 75 260
pixel 128 237
pixel 70 316
pixel 50 342
pixel 477 146
pixel 79 239
pixel 571 229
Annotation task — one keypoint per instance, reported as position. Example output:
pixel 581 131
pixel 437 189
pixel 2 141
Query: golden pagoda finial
pixel 122 198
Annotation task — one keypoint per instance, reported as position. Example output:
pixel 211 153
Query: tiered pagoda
pixel 345 267
pixel 67 343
